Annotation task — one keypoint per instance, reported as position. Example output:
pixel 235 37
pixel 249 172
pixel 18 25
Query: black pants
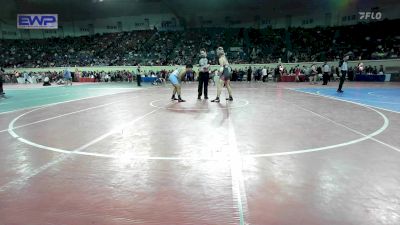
pixel 203 81
pixel 325 78
pixel 342 78
pixel 138 80
pixel 1 87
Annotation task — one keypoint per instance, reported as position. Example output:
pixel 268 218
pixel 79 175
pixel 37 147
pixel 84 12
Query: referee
pixel 344 69
pixel 204 75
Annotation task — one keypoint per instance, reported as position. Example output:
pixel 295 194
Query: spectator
pixel 139 72
pixel 326 70
pixel 67 77
pixel 2 76
pixel 249 74
pixel 264 74
pixel 381 71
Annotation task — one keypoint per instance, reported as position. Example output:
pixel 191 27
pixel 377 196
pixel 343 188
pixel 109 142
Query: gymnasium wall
pixel 234 19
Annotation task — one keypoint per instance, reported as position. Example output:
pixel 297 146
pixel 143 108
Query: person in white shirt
pixel 344 68
pixel 313 74
pixel 264 74
pixel 326 69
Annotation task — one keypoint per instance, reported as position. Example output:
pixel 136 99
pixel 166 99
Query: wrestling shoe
pixel 215 100
pixel 230 98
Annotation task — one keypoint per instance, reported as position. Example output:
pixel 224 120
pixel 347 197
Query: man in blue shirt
pixel 26 77
pixel 67 77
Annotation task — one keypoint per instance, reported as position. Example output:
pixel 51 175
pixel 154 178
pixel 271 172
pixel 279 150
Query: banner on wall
pixel 37 21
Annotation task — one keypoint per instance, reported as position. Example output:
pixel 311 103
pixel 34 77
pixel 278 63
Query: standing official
pixel 204 75
pixel 327 70
pixel 343 68
pixel 139 76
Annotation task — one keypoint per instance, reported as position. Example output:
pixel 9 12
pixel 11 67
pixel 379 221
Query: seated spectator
pixel 46 81
pixel 375 71
pixel 381 71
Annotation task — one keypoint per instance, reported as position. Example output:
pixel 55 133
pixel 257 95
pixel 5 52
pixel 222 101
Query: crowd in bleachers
pixel 250 73
pixel 97 76
pixel 370 41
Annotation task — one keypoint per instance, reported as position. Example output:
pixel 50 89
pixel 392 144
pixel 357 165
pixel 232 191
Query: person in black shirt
pixel 249 74
pixel 1 82
pixel 343 68
pixel 319 71
pixel 139 76
pixel 350 74
pixel 381 71
pixel 235 75
pixel 204 75
pixel 375 71
pixel 276 74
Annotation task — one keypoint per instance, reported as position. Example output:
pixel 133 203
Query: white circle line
pixel 317 94
pixel 39 146
pixel 365 137
pixel 366 100
pixel 197 109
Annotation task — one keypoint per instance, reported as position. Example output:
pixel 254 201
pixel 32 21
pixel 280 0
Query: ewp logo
pixel 37 21
pixel 370 15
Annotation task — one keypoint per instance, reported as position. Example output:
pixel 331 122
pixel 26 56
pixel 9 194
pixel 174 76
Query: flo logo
pixel 370 15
